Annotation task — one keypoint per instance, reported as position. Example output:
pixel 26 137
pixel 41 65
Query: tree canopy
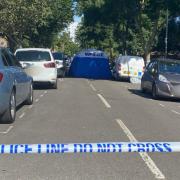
pixel 124 26
pixel 34 23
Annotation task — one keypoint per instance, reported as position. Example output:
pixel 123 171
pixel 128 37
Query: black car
pixel 162 78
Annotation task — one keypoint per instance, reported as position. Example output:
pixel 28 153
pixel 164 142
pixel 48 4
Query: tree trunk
pixel 147 57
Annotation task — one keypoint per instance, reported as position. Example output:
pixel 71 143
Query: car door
pixel 17 76
pixel 147 76
pixel 151 75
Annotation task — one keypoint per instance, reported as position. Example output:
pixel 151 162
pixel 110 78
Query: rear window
pixel 33 56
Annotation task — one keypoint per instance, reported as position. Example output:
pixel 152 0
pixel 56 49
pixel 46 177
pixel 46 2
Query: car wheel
pixel 10 114
pixel 154 92
pixel 29 100
pixel 142 88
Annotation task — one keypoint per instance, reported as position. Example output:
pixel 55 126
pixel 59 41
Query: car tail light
pixel 119 67
pixel 50 65
pixel 1 77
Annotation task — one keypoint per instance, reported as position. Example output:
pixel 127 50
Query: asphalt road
pixel 87 111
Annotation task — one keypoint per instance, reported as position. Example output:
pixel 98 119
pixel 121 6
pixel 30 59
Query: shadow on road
pixel 138 92
pixel 42 86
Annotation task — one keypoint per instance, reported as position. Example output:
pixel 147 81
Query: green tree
pixel 135 24
pixel 34 23
pixel 65 44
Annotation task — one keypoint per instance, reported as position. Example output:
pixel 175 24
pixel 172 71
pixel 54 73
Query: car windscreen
pixel 33 56
pixel 169 67
pixel 58 56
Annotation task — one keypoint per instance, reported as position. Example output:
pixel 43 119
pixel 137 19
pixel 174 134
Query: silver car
pixel 162 78
pixel 15 86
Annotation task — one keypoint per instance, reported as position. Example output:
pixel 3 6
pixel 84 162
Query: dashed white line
pixel 88 81
pixel 22 115
pixel 41 95
pixel 175 112
pixel 61 80
pixel 45 92
pixel 93 88
pixel 162 105
pixel 37 100
pixel 7 131
pixel 30 107
pixel 104 101
pixel 146 158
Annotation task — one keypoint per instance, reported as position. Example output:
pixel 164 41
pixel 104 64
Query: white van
pixel 128 66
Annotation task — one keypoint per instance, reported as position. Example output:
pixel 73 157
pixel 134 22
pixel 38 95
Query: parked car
pixel 126 67
pixel 15 86
pixel 61 63
pixel 162 78
pixel 38 63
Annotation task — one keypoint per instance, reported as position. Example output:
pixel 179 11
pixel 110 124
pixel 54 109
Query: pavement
pixel 87 111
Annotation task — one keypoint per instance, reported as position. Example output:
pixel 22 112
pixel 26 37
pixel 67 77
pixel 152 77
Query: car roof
pixel 33 49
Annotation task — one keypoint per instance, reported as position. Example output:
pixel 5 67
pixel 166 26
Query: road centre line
pixel 37 100
pixel 22 115
pixel 175 112
pixel 93 88
pixel 61 80
pixel 104 101
pixel 7 131
pixel 41 95
pixel 162 105
pixel 30 107
pixel 146 158
pixel 45 92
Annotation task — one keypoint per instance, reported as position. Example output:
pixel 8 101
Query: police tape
pixel 110 147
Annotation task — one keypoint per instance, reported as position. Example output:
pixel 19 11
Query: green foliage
pixel 34 23
pixel 124 26
pixel 64 44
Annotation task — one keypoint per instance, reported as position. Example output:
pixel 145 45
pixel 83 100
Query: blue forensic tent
pixel 90 64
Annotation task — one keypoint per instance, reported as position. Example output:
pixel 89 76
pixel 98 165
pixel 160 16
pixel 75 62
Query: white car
pixel 128 67
pixel 39 64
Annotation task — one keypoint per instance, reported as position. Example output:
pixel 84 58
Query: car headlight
pixel 163 79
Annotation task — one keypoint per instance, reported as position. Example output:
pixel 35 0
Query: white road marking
pixel 61 80
pixel 104 101
pixel 93 88
pixel 146 158
pixel 22 115
pixel 7 131
pixel 162 105
pixel 30 107
pixel 45 92
pixel 88 81
pixel 175 112
pixel 41 95
pixel 37 100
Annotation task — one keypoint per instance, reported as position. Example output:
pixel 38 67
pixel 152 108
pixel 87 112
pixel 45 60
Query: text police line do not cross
pixel 114 147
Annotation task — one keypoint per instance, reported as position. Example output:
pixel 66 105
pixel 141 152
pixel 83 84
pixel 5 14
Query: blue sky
pixel 77 19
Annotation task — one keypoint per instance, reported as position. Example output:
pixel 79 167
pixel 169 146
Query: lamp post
pixel 167 29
